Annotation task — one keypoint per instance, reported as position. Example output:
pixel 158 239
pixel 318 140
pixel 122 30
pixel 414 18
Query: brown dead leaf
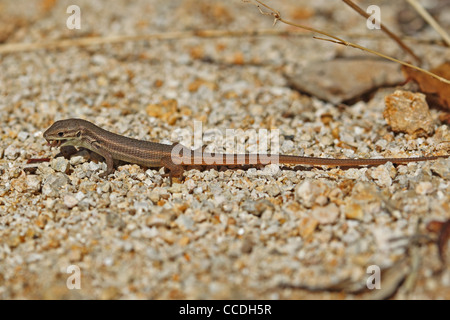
pixel 434 88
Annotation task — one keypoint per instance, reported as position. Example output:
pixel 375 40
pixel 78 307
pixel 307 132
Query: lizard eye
pixel 79 134
pixel 61 134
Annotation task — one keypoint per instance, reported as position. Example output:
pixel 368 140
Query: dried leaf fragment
pixel 434 88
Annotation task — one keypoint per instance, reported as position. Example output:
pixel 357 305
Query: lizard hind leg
pixel 176 170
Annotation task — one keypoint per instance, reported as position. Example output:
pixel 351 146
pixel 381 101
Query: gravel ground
pixel 221 233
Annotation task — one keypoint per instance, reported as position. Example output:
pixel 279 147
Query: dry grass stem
pixel 431 21
pixel 277 16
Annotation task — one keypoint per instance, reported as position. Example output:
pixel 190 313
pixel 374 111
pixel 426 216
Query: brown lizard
pixel 111 146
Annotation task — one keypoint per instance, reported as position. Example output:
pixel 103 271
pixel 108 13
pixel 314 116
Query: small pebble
pixel 53 183
pixel 70 201
pixel 381 176
pixel 326 215
pixel 424 187
pixel 185 223
pixel 353 211
pixel 33 183
pixel 442 168
pixel 23 135
pixel 60 164
pixel 408 112
pixel 309 191
pixel 12 152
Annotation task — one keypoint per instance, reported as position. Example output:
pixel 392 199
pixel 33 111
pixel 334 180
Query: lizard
pixel 112 146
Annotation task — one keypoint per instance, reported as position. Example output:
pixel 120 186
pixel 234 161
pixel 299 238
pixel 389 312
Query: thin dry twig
pixel 355 7
pixel 431 21
pixel 89 41
pixel 277 16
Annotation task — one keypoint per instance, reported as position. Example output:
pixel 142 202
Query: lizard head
pixel 67 132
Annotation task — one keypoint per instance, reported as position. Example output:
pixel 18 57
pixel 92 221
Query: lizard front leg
pixel 108 159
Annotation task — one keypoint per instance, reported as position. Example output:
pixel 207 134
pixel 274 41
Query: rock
pixel 149 233
pixel 176 188
pixel 258 207
pixel 353 211
pixel 53 183
pixel 247 245
pixel 12 152
pixel 382 176
pixel 79 158
pixel 272 190
pixel 272 170
pixel 104 187
pixel 60 164
pixel 99 59
pixel 114 220
pixel 33 183
pixel 442 168
pixel 92 166
pixel 141 206
pixel 321 200
pixel 157 220
pixel 23 135
pixel 409 113
pixel 70 201
pixel 184 222
pixel 345 79
pixel 309 191
pixel 154 196
pixel 19 184
pixel 80 195
pixel 326 215
pixel 424 187
pixel 307 226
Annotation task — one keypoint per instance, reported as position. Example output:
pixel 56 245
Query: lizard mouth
pixel 56 143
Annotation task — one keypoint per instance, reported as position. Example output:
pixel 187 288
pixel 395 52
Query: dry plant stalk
pixel 89 41
pixel 277 17
pixel 428 18
pixel 352 5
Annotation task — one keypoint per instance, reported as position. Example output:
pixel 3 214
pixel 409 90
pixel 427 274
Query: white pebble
pixel 33 183
pixel 12 152
pixel 60 164
pixel 326 215
pixel 381 176
pixel 70 201
pixel 23 135
pixel 424 187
